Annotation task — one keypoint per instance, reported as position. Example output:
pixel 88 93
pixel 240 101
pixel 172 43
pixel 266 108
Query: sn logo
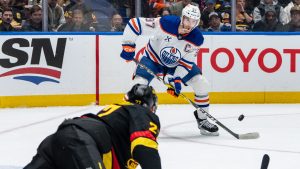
pixel 52 59
pixel 31 70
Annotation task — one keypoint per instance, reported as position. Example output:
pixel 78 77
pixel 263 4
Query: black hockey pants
pixel 69 148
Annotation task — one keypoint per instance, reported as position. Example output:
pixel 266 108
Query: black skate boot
pixel 206 128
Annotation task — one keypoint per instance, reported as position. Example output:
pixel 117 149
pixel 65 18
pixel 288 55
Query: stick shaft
pixel 238 136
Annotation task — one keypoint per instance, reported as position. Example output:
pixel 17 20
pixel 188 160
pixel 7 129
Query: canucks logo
pixel 170 56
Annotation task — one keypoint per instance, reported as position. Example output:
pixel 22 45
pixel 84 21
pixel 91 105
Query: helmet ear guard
pixel 143 95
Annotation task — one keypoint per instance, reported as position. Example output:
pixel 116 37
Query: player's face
pixel 189 23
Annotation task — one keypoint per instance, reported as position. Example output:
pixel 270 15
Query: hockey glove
pixel 175 87
pixel 128 51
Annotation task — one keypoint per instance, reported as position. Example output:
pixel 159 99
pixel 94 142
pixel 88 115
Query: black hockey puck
pixel 241 117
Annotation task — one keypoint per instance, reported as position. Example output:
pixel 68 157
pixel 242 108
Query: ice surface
pixel 180 144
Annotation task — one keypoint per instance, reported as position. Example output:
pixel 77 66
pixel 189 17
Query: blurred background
pixel 112 15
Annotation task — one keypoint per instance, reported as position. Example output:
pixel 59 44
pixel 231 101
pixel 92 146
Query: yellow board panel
pixel 47 100
pixel 163 98
pixel 219 98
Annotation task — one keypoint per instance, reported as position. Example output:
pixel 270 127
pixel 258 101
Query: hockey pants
pixel 68 148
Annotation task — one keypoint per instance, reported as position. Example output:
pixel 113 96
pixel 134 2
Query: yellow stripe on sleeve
pixel 107 160
pixel 144 142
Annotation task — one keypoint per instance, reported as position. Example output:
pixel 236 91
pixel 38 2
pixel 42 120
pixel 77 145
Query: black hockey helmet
pixel 143 95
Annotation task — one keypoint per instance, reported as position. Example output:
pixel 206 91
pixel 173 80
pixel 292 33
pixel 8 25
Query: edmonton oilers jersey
pixel 165 46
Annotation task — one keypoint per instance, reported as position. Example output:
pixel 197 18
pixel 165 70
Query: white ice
pixel 180 144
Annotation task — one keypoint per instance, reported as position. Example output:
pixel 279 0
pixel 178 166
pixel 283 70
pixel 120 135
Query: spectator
pixel 288 8
pixel 77 24
pixel 284 3
pixel 120 6
pixel 223 6
pixel 117 23
pixel 244 18
pixel 250 4
pixel 7 17
pixel 102 10
pixel 55 15
pixel 17 14
pixel 35 21
pixel 146 12
pixel 259 11
pixel 215 24
pixel 225 18
pixel 156 6
pixel 256 3
pixel 33 2
pixel 294 24
pixel 201 4
pixel 63 3
pixel 177 7
pixel 210 7
pixel 164 12
pixel 269 22
pixel 89 17
pixel 4 4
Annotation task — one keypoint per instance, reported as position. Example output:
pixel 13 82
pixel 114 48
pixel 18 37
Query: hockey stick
pixel 253 135
pixel 265 162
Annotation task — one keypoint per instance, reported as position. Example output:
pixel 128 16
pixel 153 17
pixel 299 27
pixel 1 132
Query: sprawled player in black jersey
pixel 120 136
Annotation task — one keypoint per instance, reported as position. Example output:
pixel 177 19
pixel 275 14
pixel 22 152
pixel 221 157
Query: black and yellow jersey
pixel 133 131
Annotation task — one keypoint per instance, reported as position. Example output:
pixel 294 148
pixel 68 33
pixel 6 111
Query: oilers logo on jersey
pixel 170 56
pixel 164 46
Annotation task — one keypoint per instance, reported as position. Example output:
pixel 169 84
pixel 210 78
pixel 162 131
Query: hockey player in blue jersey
pixel 172 49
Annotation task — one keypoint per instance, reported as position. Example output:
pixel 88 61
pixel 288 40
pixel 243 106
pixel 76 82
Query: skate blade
pixel 207 133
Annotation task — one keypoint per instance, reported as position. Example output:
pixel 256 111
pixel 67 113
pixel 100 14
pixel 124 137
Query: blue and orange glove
pixel 128 51
pixel 176 86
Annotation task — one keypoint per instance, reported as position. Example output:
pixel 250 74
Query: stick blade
pixel 254 135
pixel 265 162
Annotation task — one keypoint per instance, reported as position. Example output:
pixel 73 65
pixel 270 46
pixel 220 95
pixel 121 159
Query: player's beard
pixel 182 30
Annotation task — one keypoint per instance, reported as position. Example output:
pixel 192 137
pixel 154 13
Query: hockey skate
pixel 206 128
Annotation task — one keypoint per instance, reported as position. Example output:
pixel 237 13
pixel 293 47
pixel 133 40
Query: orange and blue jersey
pixel 165 46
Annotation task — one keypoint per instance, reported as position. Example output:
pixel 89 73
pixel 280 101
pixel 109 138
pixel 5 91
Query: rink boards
pixel 79 69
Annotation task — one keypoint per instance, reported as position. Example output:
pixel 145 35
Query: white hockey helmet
pixel 192 12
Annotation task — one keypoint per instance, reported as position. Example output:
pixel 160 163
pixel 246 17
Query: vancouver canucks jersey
pixel 133 130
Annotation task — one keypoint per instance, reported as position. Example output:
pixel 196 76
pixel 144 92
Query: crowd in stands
pixel 112 15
